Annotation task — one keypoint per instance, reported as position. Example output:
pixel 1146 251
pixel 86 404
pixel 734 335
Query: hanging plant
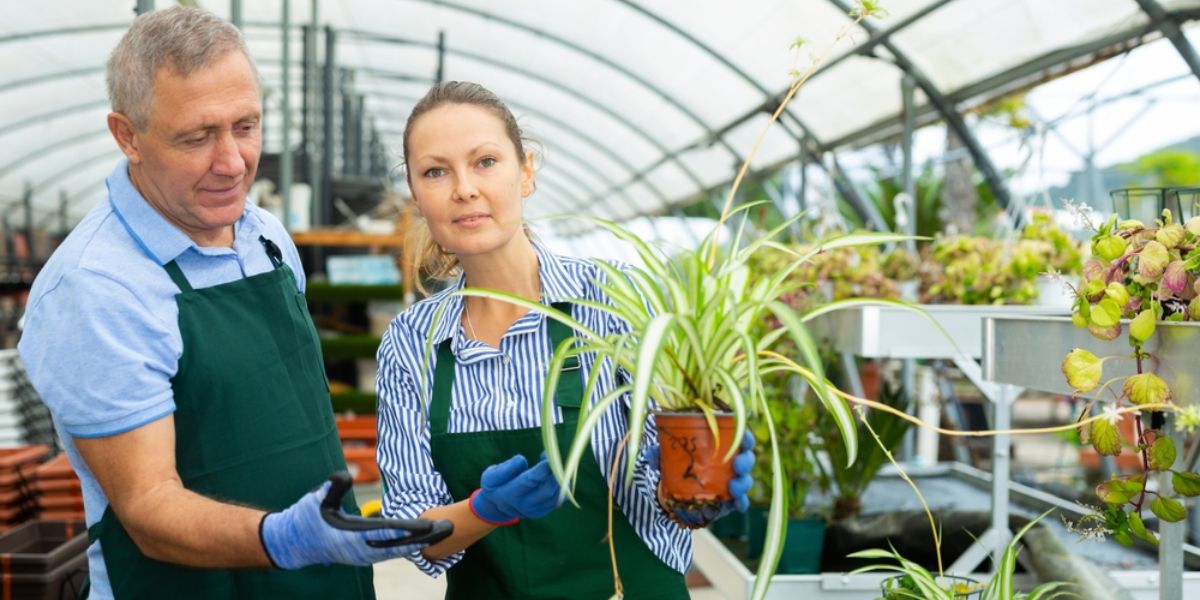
pixel 1146 274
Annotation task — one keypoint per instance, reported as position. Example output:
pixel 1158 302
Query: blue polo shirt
pixel 101 340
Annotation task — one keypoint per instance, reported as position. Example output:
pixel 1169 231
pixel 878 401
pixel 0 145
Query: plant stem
pixel 1141 441
pixel 618 589
pixel 937 539
pixel 795 87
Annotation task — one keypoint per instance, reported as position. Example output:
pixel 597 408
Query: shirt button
pixel 507 360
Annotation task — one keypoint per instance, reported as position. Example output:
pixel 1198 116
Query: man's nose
pixel 227 157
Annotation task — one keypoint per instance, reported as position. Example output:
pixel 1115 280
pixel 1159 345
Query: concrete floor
pixel 400 580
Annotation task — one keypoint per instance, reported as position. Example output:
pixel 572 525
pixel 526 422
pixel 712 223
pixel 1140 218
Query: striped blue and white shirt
pixel 501 389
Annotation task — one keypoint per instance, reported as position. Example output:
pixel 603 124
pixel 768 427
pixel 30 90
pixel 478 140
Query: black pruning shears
pixel 420 531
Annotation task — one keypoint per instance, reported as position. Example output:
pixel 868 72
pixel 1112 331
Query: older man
pixel 170 337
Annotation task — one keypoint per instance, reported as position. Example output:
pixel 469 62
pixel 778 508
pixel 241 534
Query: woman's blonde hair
pixel 423 255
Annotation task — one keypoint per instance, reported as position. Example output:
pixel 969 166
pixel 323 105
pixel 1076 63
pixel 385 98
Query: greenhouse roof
pixel 641 105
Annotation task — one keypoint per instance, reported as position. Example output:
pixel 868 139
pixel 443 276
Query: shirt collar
pixel 160 238
pixel 559 284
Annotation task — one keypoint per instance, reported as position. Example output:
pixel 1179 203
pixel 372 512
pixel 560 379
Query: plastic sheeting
pixel 627 97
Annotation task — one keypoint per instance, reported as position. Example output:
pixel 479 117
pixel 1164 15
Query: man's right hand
pixel 299 536
pixel 509 491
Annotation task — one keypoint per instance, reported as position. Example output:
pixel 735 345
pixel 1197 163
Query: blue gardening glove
pixel 298 536
pixel 694 517
pixel 510 492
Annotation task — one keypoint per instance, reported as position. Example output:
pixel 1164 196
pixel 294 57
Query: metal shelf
pixel 1027 351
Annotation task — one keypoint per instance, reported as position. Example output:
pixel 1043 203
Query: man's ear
pixel 124 134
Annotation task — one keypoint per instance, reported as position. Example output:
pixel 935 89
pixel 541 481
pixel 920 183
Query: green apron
pixel 253 426
pixel 564 554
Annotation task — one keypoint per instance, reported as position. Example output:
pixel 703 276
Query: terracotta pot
pixel 694 468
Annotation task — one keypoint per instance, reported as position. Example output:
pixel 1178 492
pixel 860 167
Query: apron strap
pixel 443 373
pixel 180 280
pixel 177 276
pixel 272 251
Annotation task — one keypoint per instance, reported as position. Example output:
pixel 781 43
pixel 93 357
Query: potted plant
pixel 689 350
pixel 914 581
pixel 963 269
pixel 795 415
pixel 1146 274
pixel 901 266
pixel 1051 253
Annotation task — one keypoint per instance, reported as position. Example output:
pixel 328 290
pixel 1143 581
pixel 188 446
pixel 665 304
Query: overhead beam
pixel 1025 75
pixel 1170 28
pixel 948 111
pixel 41 151
pixel 619 68
pixel 807 139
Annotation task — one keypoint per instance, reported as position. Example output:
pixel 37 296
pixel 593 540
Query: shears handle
pixel 420 531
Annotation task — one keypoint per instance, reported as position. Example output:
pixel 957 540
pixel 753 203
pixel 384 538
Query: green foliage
pixel 916 582
pixel 1146 274
pixel 849 480
pixel 1165 168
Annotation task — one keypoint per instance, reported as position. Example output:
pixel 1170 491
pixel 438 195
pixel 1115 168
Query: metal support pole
pixel 1170 543
pixel 307 58
pixel 1172 32
pixel 348 118
pixel 439 75
pixel 359 139
pixel 285 157
pixel 325 200
pixel 235 14
pixel 27 205
pixel 144 6
pixel 64 202
pixel 908 88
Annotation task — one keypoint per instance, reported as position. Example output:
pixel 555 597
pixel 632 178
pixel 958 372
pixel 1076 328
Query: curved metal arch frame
pixel 1170 28
pixel 55 146
pixel 541 33
pixel 41 118
pixel 810 145
pixel 953 119
pixel 582 98
pixel 573 131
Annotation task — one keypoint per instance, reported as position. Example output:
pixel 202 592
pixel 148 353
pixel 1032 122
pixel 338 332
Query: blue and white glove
pixel 697 516
pixel 298 536
pixel 509 492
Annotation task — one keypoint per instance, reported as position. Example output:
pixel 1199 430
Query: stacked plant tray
pixel 59 494
pixel 43 560
pixel 358 434
pixel 18 469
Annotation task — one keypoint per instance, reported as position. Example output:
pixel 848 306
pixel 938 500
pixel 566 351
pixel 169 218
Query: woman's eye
pixel 487 162
pixel 434 172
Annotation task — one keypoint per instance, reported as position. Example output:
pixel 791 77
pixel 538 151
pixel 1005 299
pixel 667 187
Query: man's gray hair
pixel 180 38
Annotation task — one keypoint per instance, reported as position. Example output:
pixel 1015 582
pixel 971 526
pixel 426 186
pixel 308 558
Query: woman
pixel 467 455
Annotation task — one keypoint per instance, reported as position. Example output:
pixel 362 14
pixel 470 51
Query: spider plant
pixel 915 581
pixel 691 345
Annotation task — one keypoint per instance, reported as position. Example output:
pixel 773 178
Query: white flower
pixel 1112 414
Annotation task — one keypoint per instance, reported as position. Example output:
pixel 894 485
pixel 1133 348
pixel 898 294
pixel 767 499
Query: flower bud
pixel 1130 224
pixel 1194 309
pixel 1170 235
pixel 1083 370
